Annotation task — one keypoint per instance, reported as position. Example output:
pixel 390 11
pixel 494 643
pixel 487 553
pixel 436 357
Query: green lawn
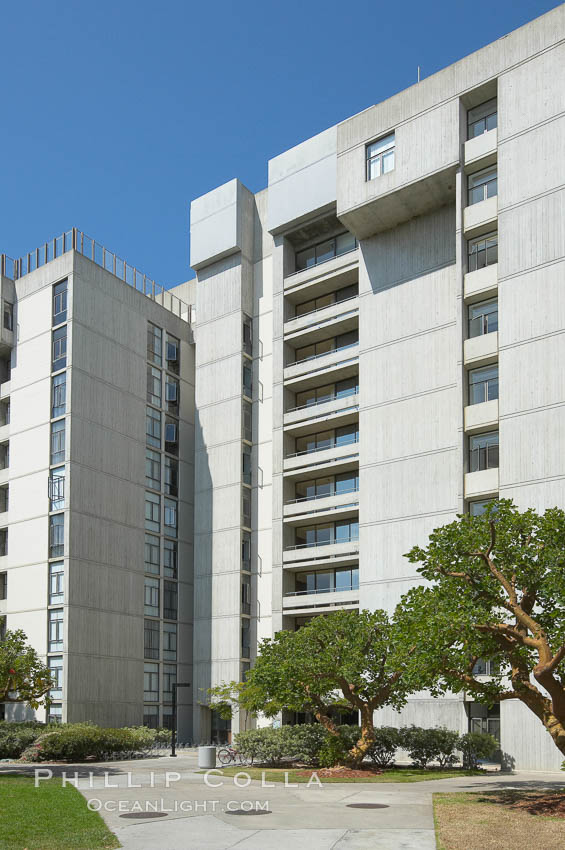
pixel 405 774
pixel 49 817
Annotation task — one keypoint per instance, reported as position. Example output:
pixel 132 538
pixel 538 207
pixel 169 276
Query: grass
pixel 497 820
pixel 49 817
pixel 408 774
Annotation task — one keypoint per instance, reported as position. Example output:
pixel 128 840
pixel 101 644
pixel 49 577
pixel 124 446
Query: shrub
pixel 308 741
pixel 16 737
pixel 475 746
pixel 335 750
pixel 268 745
pixel 422 744
pixel 82 741
pixel 447 741
pixel 387 741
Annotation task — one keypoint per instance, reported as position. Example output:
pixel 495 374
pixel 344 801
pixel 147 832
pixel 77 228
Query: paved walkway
pixel 300 817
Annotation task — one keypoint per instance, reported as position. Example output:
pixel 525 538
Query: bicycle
pixel 227 755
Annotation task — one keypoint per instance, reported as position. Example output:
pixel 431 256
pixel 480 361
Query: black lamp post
pixel 174 735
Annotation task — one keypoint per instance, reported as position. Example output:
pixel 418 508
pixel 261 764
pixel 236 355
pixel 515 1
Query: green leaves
pixel 23 676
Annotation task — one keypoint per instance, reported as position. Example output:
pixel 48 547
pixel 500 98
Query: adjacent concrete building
pixel 371 346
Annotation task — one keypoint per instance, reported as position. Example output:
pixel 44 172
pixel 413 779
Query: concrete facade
pixel 387 382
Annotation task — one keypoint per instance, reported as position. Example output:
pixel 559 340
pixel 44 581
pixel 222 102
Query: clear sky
pixel 115 115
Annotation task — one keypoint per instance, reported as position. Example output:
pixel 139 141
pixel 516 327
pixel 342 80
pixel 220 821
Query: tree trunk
pixel 327 723
pixel 367 739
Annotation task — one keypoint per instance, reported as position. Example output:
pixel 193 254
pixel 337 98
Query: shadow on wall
pixel 420 246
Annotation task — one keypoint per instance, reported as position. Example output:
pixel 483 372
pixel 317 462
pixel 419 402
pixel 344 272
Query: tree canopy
pixel 23 676
pixel 343 660
pixel 497 593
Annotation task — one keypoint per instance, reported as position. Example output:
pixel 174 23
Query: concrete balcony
pixel 480 152
pixel 349 463
pixel 321 363
pixel 480 218
pixel 483 483
pixel 326 553
pixel 336 318
pixel 337 419
pixel 481 350
pixel 5 389
pixel 319 413
pixel 325 277
pixel 313 460
pixel 305 603
pixel 481 284
pixel 4 478
pixel 311 511
pixel 3 606
pixel 4 433
pixel 481 417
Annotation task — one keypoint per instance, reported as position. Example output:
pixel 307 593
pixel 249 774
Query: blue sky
pixel 115 115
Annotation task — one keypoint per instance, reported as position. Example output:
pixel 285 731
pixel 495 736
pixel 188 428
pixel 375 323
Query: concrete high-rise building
pixel 371 346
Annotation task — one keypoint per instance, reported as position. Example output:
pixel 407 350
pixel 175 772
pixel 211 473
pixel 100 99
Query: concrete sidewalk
pixel 300 817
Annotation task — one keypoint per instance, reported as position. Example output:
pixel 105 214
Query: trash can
pixel 207 757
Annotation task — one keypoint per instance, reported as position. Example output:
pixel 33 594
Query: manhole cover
pixel 367 806
pixel 145 815
pixel 248 812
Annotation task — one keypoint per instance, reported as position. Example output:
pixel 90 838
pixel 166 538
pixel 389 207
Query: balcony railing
pixel 324 400
pixel 322 590
pixel 483 457
pixel 483 391
pixel 328 495
pixel 328 444
pixel 319 309
pixel 324 353
pixel 79 241
pixel 329 542
pixel 482 192
pixel 337 246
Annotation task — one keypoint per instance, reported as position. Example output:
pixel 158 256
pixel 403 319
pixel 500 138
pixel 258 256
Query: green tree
pixel 498 593
pixel 342 660
pixel 23 676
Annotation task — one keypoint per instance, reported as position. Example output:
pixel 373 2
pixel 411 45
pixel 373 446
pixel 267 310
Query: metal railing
pixel 483 391
pixel 77 240
pixel 328 444
pixel 483 457
pixel 319 309
pixel 330 542
pixel 322 590
pixel 482 192
pixel 333 492
pixel 324 353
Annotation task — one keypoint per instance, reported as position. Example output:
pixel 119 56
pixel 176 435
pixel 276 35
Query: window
pixel 478 508
pixel 60 302
pixel 172 394
pixel 481 186
pixel 380 157
pixel 56 535
pixel 4 585
pixel 58 395
pixel 4 499
pixel 152 469
pixel 245 594
pixel 55 713
pixel 246 551
pixel 8 316
pixel 152 512
pixel 483 452
pixel 152 560
pixel 483 384
pixel 56 670
pixel 247 421
pixel 347 434
pixel 3 542
pixel 57 489
pixel 154 344
pixel 170 558
pixel 325 346
pixel 172 352
pixel 55 626
pixel 245 638
pixel 171 476
pixel 171 517
pixel 169 679
pixel 4 412
pixel 167 717
pixel 170 641
pixel 347 482
pixel 326 250
pixel 322 535
pixel 246 464
pixel 58 441
pixel 347 579
pixel 328 581
pixel 483 318
pixel 315 304
pixel 171 435
pixel 59 348
pixel 56 583
pixel 170 596
pixel 482 252
pixel 481 119
pixel 247 335
pixel 246 508
pixel 154 386
pixel 247 381
pixel 151 639
pixel 485 667
pixel 484 719
pixel 151 598
pixel 153 427
pixel 151 716
pixel 346 531
pixel 151 682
